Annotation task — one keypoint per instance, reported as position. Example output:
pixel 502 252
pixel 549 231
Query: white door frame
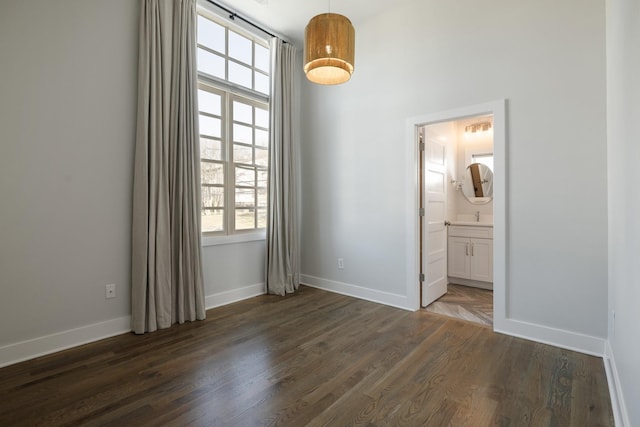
pixel 498 109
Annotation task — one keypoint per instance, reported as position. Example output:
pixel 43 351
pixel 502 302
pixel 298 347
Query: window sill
pixel 235 238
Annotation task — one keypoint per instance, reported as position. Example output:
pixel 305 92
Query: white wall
pixel 67 125
pixel 233 271
pixel 623 110
pixel 428 56
pixel 68 78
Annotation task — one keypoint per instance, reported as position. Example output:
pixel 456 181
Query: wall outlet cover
pixel 110 291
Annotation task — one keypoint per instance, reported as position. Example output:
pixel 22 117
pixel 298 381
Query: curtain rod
pixel 233 15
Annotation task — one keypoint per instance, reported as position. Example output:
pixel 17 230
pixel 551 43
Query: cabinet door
pixel 481 260
pixel 458 257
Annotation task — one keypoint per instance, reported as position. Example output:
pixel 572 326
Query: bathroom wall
pixel 468 143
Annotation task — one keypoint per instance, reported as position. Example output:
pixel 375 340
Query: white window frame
pixel 231 91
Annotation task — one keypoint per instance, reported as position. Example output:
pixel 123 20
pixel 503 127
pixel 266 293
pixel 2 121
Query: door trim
pixel 500 288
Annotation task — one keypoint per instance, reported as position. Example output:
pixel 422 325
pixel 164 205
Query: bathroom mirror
pixel 477 184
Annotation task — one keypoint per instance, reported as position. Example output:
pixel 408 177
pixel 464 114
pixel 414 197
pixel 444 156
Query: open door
pixel 433 265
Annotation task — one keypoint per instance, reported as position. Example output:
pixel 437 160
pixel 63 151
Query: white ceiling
pixel 288 18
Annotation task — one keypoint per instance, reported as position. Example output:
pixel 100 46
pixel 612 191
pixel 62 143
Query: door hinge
pixel 421 211
pixel 421 277
pixel 447 223
pixel 421 146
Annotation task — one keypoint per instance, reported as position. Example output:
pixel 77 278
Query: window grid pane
pixel 209 102
pixel 242 154
pixel 261 58
pixel 210 149
pixel 242 134
pixel 245 219
pixel 245 176
pixel 211 63
pixel 211 35
pixel 261 82
pixel 261 157
pixel 211 173
pixel 212 220
pixel 242 112
pixel 262 118
pixel 240 74
pixel 240 48
pixel 245 198
pixel 210 126
pixel 212 196
pixel 262 218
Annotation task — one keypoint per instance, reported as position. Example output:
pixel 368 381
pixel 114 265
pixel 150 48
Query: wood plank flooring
pixel 313 358
pixel 466 303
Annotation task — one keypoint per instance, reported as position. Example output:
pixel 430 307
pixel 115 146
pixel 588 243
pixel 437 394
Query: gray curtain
pixel 282 270
pixel 166 283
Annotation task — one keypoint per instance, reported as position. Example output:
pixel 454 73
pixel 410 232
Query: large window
pixel 233 98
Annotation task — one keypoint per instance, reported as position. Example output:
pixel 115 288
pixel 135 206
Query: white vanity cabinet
pixel 470 254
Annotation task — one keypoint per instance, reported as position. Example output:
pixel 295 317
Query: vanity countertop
pixel 472 223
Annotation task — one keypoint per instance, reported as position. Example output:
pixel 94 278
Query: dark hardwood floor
pixel 312 358
pixel 466 303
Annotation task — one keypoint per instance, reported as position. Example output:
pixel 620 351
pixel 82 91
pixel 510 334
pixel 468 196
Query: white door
pixel 434 245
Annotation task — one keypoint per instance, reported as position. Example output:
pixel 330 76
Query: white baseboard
pixel 36 347
pixel 234 295
pixel 620 414
pixel 386 298
pixel 41 346
pixel 557 337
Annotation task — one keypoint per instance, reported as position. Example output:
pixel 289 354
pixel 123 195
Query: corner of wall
pixel 569 340
pixel 618 406
pixel 235 295
pixel 381 297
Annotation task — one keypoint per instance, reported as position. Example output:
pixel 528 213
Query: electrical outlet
pixel 340 263
pixel 110 291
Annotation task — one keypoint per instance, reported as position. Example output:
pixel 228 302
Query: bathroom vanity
pixel 470 254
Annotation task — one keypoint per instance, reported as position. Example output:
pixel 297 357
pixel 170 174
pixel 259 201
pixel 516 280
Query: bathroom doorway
pixel 473 139
pixel 456 230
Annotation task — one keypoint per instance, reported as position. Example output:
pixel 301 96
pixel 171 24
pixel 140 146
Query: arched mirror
pixel 477 184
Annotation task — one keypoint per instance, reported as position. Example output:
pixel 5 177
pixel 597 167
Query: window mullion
pixel 255 196
pixel 230 170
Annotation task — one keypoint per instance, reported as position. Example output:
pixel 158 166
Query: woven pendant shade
pixel 329 49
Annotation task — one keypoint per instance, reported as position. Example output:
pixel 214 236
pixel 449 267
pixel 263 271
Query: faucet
pixel 477 216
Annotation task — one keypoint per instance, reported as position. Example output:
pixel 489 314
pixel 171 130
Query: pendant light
pixel 329 49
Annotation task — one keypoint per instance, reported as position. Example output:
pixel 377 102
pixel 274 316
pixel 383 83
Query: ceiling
pixel 288 18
